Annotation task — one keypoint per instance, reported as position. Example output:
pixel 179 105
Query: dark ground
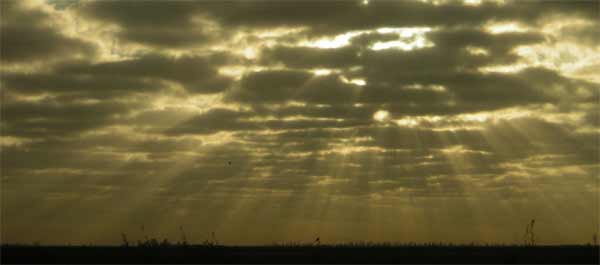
pixel 302 254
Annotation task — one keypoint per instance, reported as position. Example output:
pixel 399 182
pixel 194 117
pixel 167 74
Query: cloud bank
pixel 272 121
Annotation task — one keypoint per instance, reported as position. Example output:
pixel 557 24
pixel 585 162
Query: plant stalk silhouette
pixel 529 238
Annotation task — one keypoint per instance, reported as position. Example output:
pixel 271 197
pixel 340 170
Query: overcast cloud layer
pixel 271 121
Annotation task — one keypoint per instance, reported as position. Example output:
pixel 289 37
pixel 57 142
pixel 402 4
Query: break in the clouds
pixel 270 121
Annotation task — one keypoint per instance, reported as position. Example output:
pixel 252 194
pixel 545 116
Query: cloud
pixel 328 90
pixel 223 120
pixel 107 79
pixel 334 17
pixel 162 25
pixel 90 86
pixel 51 117
pixel 270 86
pixel 28 35
pixel 202 23
pixel 197 74
pixel 266 112
pixel 305 57
pixel 290 85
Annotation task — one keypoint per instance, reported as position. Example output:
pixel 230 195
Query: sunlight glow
pixel 473 121
pixel 381 115
pixel 460 149
pixel 434 2
pixel 472 2
pixel 565 57
pixel 477 51
pixel 328 180
pixel 400 45
pixel 499 28
pixel 250 53
pixel 333 43
pixel 405 32
pixel 410 38
pixel 355 81
pixel 198 103
pixel 7 141
pixel 237 71
pixel 568 58
pixel 277 32
pixel 346 150
pixel 437 88
pixel 509 68
pixel 324 71
pixel 358 82
pixel 407 122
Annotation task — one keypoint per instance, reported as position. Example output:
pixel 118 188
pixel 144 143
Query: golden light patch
pixel 510 68
pixel 381 115
pixel 459 149
pixel 237 71
pixel 324 71
pixel 333 43
pixel 346 150
pixel 472 2
pixel 438 88
pixel 355 81
pixel 477 51
pixel 499 28
pixel 407 122
pixel 6 141
pixel 565 57
pixel 328 180
pixel 409 38
pixel 250 53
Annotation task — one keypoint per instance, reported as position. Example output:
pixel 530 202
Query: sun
pixel 381 115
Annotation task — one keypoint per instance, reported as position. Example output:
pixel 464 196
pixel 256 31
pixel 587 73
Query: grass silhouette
pixel 294 253
pixel 154 250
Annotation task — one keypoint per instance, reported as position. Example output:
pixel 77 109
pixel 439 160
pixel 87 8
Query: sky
pixel 283 121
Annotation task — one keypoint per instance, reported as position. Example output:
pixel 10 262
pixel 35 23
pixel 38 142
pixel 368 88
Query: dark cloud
pixel 422 95
pixel 592 118
pixel 305 57
pixel 198 74
pixel 162 25
pixel 329 17
pixel 424 65
pixel 223 120
pixel 582 33
pixel 84 85
pixel 448 53
pixel 390 74
pixel 498 44
pixel 286 85
pixel 472 91
pixel 49 117
pixel 28 35
pixel 152 23
pixel 143 74
pixel 328 89
pixel 336 111
pixel 213 121
pixel 270 86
